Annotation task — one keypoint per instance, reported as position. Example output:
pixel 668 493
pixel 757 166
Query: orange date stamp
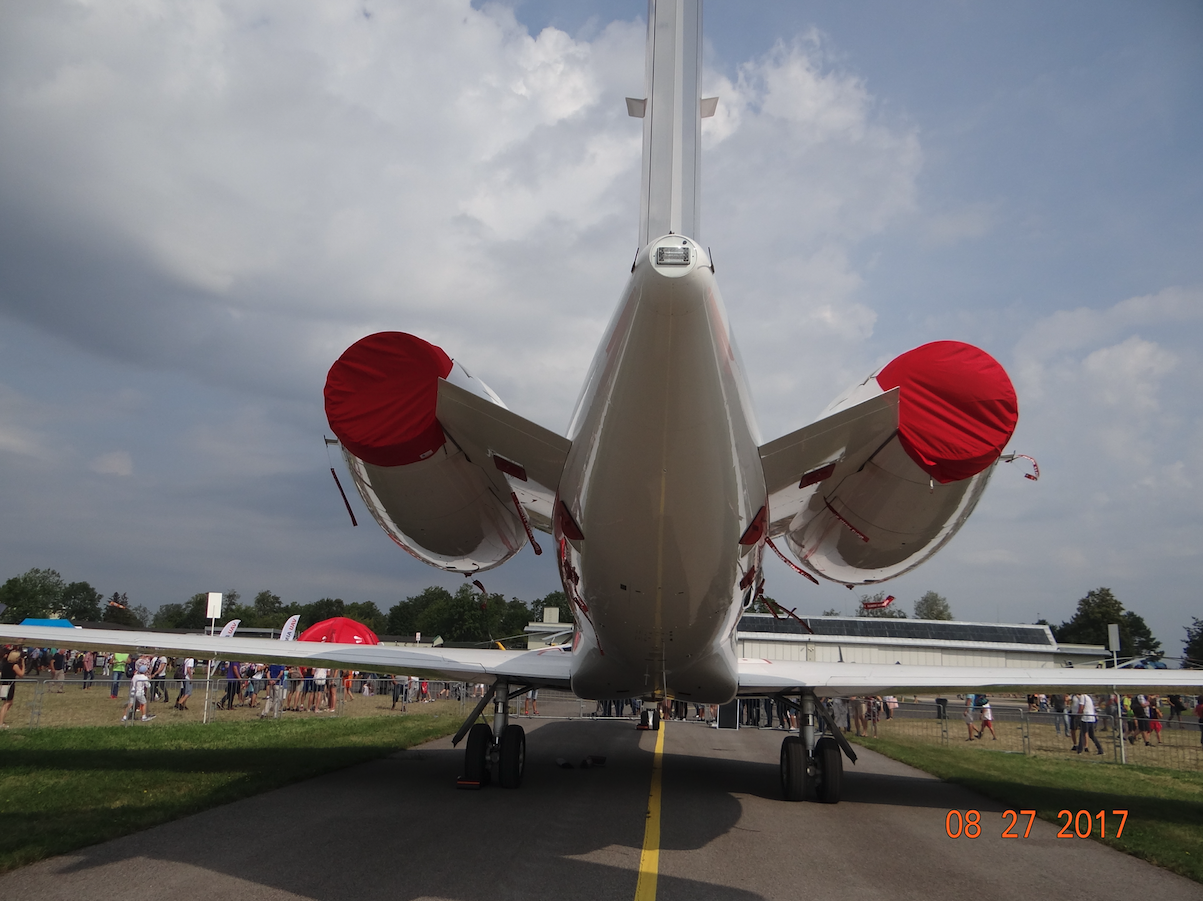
pixel 1079 824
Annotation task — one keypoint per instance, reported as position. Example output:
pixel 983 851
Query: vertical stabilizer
pixel 669 194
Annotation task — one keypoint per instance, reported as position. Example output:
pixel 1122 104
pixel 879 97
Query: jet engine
pixel 956 412
pixel 423 490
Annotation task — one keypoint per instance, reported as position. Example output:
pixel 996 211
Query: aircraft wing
pixel 517 454
pixel 827 450
pixel 544 667
pixel 765 677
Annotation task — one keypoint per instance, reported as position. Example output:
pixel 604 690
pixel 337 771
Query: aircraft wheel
pixel 513 756
pixel 476 756
pixel 830 761
pixel 656 719
pixel 793 768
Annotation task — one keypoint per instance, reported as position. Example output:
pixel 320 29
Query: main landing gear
pixel 812 764
pixel 500 749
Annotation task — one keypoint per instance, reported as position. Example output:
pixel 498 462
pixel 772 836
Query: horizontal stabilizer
pixel 823 451
pixel 531 455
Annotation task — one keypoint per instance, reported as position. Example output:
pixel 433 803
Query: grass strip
pixel 1165 807
pixel 73 787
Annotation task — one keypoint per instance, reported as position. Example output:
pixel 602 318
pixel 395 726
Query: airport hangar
pixel 848 639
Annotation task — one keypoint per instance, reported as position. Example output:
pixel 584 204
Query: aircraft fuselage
pixel 663 479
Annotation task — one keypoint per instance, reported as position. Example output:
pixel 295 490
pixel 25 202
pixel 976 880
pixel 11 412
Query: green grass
pixel 72 787
pixel 1165 807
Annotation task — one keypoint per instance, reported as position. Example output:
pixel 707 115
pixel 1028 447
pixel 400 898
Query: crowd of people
pixel 270 688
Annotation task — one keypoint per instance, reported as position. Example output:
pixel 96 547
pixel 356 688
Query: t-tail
pixel 672 110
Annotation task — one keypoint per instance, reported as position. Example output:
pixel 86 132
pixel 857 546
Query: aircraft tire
pixel 513 756
pixel 830 761
pixel 656 719
pixel 793 768
pixel 476 755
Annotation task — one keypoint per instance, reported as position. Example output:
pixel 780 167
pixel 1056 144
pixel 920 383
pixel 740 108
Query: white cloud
pixel 114 463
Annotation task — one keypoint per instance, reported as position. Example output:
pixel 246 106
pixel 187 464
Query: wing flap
pixel 796 465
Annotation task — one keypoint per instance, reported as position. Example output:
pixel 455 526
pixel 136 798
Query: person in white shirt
pixel 187 668
pixel 1084 707
pixel 138 685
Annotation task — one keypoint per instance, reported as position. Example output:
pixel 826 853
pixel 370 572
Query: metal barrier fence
pixel 43 703
pixel 48 703
pixel 1018 730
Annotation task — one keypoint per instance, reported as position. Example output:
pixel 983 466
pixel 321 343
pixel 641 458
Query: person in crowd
pixel 860 715
pixel 1057 702
pixel 158 679
pixel 1084 708
pixel 1177 708
pixel 399 684
pixel 12 668
pixel 88 667
pixel 332 693
pixel 233 685
pixel 139 685
pixel 119 660
pixel 986 714
pixel 187 668
pixel 1155 718
pixel 58 670
pixel 968 716
pixel 1140 713
pixel 873 704
pixel 1199 715
pixel 273 698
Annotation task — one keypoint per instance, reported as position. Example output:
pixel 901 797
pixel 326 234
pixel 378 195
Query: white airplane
pixel 662 497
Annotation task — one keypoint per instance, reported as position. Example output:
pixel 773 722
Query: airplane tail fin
pixel 672 113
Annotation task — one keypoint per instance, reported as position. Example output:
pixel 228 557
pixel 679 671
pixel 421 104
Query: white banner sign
pixel 230 628
pixel 214 605
pixel 289 632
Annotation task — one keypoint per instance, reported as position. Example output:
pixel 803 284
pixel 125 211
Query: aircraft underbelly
pixel 663 496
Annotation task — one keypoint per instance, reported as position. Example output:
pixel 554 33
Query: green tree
pixel 36 593
pixel 403 617
pixel 80 603
pixel 552 599
pixel 268 605
pixel 881 612
pixel 1089 624
pixel 1192 648
pixel 833 612
pixel 932 606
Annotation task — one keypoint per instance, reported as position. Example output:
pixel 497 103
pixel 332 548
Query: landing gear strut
pixel 812 764
pixel 502 747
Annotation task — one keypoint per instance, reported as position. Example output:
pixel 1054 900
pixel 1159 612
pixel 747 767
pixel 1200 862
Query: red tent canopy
pixel 340 630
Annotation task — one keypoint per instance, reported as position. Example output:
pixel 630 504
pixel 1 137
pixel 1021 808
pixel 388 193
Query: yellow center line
pixel 649 861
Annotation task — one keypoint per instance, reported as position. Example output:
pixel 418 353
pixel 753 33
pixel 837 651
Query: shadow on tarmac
pixel 399 826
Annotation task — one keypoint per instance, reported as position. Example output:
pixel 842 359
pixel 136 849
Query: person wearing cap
pixel 12 667
pixel 138 686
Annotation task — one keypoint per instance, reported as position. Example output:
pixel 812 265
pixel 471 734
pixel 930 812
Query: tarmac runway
pixel 398 828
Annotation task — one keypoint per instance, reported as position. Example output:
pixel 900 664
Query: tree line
pixel 468 616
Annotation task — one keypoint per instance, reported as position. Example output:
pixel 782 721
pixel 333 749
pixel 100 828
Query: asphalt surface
pixel 398 828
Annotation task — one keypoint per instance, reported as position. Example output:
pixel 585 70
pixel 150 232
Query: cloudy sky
pixel 202 204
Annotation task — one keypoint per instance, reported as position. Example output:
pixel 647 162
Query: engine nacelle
pixel 957 411
pixel 381 396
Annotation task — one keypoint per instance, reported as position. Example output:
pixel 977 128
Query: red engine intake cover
pixel 957 408
pixel 381 396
